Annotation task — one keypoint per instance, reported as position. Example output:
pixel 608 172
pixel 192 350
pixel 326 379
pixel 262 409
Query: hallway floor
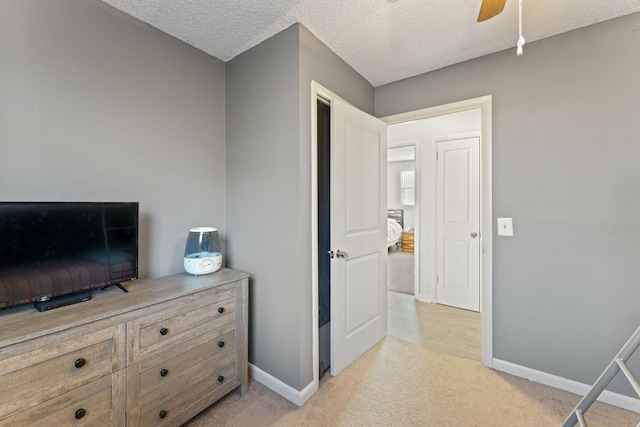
pixel 437 327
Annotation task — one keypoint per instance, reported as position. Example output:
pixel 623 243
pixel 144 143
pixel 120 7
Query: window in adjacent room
pixel 408 187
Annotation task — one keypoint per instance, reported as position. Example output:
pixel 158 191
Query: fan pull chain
pixel 520 51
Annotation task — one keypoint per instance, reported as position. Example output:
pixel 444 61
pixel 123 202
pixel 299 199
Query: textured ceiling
pixel 383 40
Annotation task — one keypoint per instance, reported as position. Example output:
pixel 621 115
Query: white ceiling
pixel 383 40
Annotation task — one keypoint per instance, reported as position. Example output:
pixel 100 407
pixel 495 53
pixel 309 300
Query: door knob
pixel 341 254
pixel 474 235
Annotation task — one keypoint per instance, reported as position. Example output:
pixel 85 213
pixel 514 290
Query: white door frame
pixel 484 104
pixel 317 91
pixel 415 143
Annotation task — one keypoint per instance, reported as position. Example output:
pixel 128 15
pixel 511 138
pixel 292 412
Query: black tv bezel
pixel 88 287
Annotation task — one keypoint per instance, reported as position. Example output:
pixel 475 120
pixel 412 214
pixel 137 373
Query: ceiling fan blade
pixel 490 8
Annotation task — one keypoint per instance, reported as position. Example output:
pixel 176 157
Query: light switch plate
pixel 505 227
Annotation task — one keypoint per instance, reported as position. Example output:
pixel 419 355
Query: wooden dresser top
pixel 24 322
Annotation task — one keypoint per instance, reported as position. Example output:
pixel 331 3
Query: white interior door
pixel 358 233
pixel 458 223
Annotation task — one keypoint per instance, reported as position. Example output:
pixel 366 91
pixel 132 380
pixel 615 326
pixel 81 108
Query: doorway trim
pixel 415 143
pixel 484 104
pixel 318 92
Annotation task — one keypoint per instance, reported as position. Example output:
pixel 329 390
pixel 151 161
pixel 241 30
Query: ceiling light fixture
pixel 491 8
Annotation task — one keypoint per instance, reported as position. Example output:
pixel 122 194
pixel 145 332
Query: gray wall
pixel 318 63
pixel 565 167
pixel 96 106
pixel 263 199
pixel 269 189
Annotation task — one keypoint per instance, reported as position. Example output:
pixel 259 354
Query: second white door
pixel 458 223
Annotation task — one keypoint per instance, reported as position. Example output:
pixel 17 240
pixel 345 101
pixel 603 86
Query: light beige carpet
pixel 402 384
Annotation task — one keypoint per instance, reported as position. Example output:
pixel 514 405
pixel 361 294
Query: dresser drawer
pixel 49 371
pixel 162 405
pixel 162 368
pixel 90 405
pixel 176 324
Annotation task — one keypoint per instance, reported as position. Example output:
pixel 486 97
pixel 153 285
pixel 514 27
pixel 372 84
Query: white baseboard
pixel 565 384
pixel 425 298
pixel 300 397
pixel 291 394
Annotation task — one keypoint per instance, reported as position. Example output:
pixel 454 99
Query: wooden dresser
pixel 155 356
pixel 407 241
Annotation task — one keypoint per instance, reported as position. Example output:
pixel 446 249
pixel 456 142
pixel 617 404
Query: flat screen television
pixel 50 249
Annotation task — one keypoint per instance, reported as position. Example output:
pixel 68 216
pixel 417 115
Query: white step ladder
pixel 617 364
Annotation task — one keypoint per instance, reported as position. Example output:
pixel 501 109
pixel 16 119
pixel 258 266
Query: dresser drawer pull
pixel 80 413
pixel 164 372
pixel 164 331
pixel 220 344
pixel 163 414
pixel 220 310
pixel 79 363
pixel 220 378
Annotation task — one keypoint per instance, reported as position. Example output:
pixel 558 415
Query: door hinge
pixel 437 279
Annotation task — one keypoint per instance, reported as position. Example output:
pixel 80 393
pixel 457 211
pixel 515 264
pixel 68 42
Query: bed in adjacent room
pixel 395 220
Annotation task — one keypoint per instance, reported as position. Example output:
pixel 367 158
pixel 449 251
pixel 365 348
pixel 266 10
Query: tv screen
pixel 49 249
